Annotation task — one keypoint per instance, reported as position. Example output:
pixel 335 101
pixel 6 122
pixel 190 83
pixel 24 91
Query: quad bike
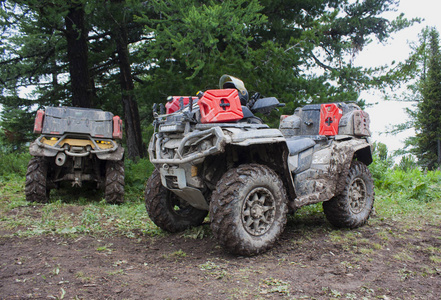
pixel 76 145
pixel 212 154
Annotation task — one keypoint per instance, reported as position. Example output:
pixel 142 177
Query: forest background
pixel 123 56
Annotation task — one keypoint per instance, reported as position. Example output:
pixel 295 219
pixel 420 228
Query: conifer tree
pixel 427 142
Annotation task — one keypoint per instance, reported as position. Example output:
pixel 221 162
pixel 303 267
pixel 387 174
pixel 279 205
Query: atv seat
pixel 299 144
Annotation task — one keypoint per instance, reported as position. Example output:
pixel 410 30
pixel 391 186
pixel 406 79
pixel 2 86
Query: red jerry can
pixel 220 106
pixel 39 118
pixel 173 105
pixel 330 115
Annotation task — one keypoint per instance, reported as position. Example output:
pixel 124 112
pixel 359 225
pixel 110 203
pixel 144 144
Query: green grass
pixel 410 198
pixel 76 212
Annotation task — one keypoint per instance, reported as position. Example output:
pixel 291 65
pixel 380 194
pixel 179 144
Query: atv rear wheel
pixel 353 206
pixel 167 210
pixel 114 182
pixel 36 180
pixel 248 209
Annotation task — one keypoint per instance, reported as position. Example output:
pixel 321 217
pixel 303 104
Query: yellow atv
pixel 76 145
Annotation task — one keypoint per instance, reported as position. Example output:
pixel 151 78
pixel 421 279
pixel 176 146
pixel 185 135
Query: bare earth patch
pixel 311 261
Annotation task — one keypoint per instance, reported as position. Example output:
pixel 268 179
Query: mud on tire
pixel 36 180
pixel 353 206
pixel 248 209
pixel 167 210
pixel 114 182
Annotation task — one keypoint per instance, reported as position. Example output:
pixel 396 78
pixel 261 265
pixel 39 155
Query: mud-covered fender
pixel 118 154
pixel 36 150
pixel 328 170
pixel 268 141
pixel 342 155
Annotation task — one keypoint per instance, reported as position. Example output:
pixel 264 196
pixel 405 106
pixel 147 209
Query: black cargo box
pixel 61 120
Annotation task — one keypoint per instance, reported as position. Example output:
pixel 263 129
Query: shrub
pixel 136 175
pixel 13 164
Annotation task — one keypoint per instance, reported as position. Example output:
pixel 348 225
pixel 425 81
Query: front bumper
pixel 207 142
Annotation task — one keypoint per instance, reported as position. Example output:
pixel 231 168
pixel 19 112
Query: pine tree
pixel 427 142
pixel 297 51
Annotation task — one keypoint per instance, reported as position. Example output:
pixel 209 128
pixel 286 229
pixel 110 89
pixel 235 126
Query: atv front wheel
pixel 36 180
pixel 167 210
pixel 114 182
pixel 353 206
pixel 248 209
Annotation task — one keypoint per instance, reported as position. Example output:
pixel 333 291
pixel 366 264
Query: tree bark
pixel 76 37
pixel 439 153
pixel 132 128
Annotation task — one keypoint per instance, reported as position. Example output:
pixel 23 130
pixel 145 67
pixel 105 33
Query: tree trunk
pixel 439 153
pixel 76 37
pixel 132 128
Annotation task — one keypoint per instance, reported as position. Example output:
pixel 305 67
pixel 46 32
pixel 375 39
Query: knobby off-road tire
pixel 354 205
pixel 114 182
pixel 36 180
pixel 167 210
pixel 248 209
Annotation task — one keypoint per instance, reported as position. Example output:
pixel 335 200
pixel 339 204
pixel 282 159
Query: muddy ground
pixel 382 260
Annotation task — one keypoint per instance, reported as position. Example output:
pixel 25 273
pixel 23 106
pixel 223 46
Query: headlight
pixel 171 128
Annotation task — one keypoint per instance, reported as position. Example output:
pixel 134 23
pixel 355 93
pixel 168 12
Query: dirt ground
pixel 311 261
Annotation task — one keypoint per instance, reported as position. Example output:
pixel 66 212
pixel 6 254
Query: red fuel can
pixel 330 115
pixel 220 106
pixel 174 105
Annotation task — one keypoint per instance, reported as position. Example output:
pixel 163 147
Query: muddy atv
pixel 76 145
pixel 213 155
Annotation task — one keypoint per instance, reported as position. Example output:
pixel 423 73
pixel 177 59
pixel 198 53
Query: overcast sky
pixel 386 113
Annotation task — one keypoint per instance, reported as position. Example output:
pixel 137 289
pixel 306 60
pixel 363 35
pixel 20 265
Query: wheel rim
pixel 258 211
pixel 357 195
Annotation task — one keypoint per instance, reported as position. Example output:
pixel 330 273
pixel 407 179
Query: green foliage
pixel 406 184
pixel 14 164
pixel 405 181
pixel 415 185
pixel 71 219
pixel 276 47
pixel 428 122
pixel 297 51
pixel 382 162
pixel 407 163
pixel 424 66
pixel 15 127
pixel 136 174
